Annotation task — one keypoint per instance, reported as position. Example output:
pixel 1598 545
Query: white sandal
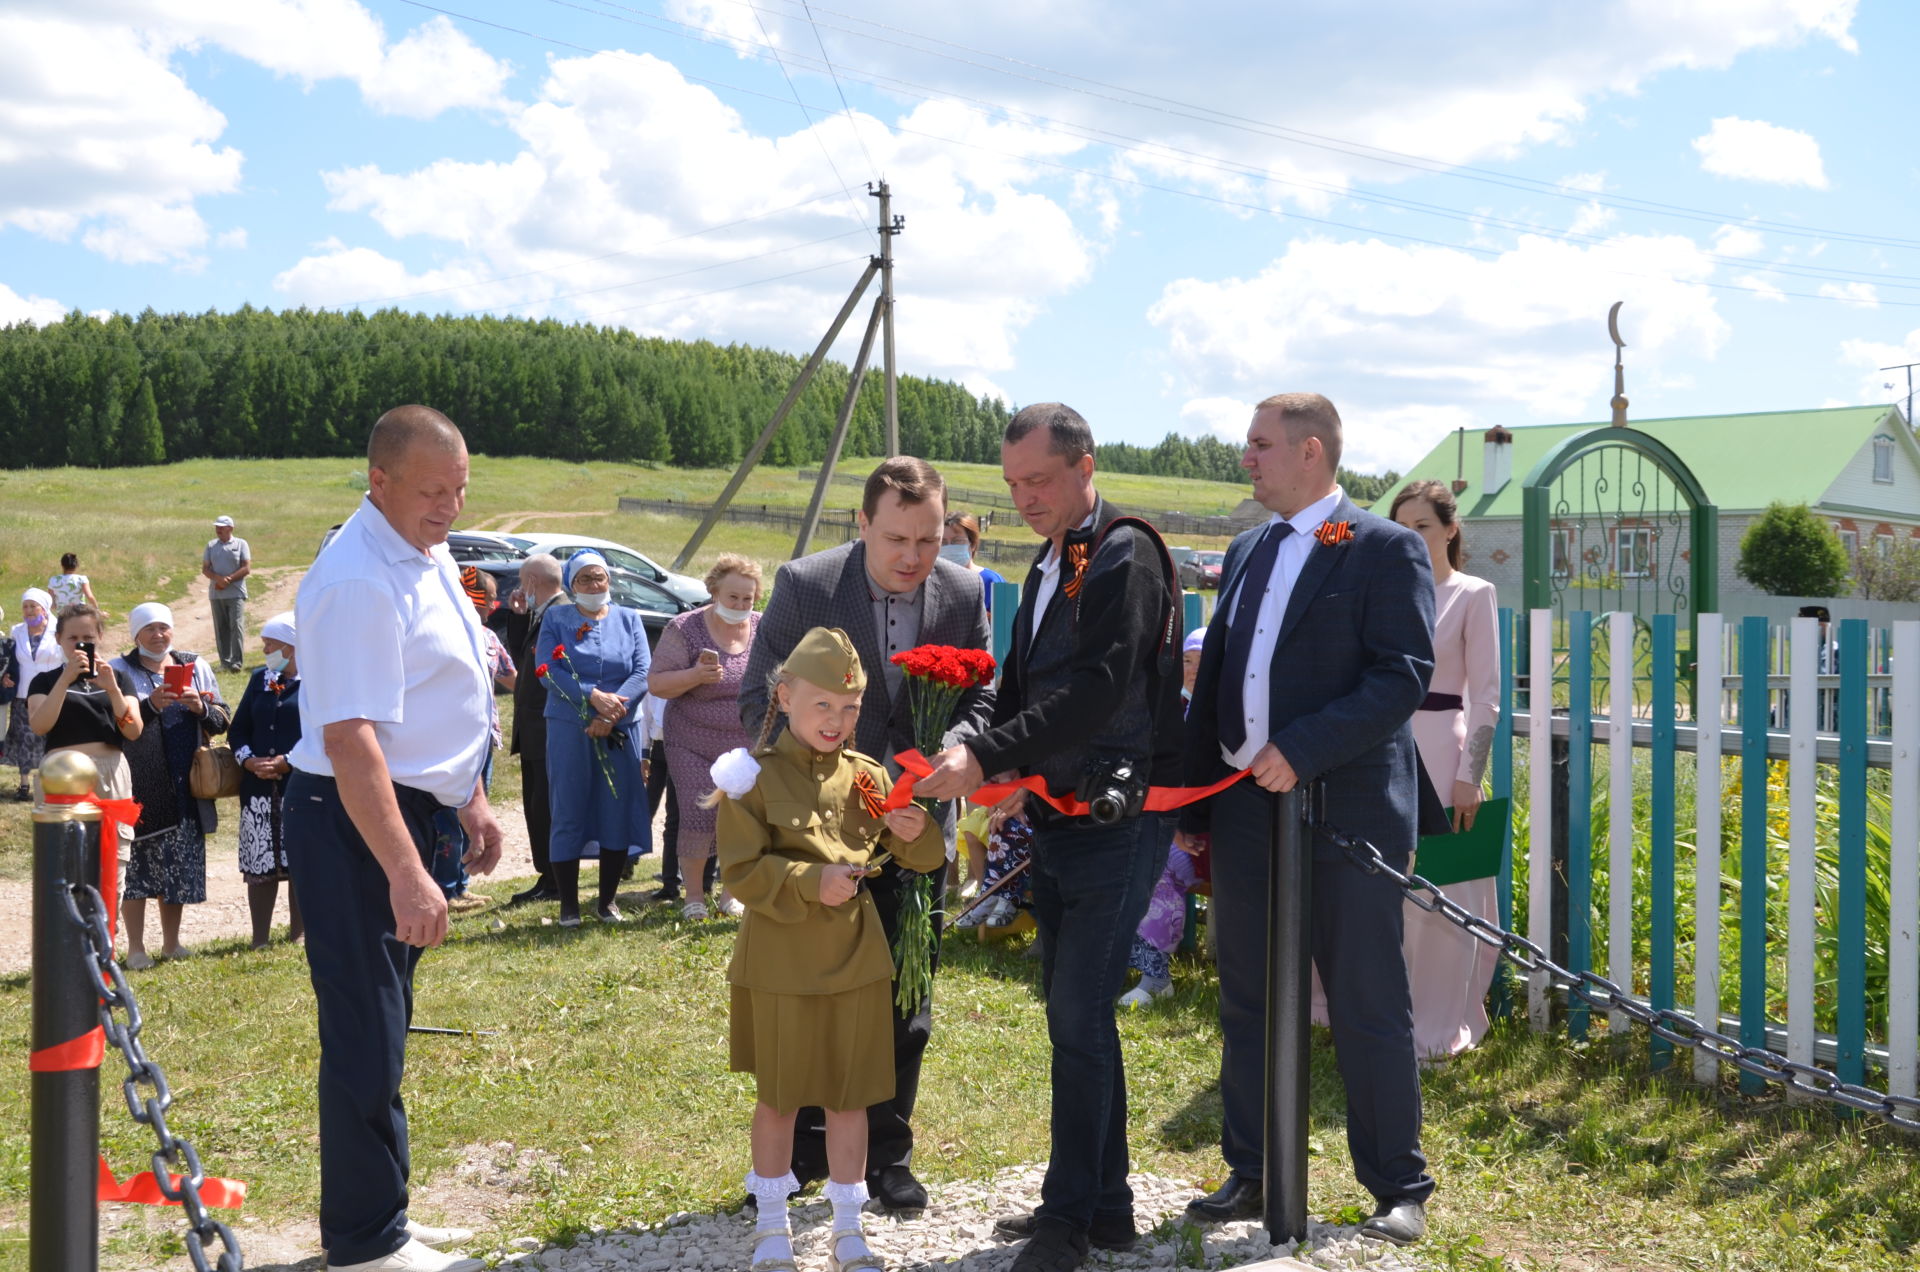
pixel 868 1262
pixel 694 911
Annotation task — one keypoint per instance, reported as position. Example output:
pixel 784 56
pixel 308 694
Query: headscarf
pixel 148 612
pixel 39 596
pixel 280 628
pixel 580 561
pixel 1195 638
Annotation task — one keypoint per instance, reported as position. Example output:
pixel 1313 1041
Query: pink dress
pixel 1449 971
pixel 702 724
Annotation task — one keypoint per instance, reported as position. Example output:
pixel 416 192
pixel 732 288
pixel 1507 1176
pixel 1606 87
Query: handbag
pixel 215 773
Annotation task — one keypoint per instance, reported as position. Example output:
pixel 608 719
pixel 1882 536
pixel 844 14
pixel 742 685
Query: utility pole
pixel 890 225
pixel 1908 368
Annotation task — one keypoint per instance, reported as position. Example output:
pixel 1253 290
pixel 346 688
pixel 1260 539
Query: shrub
pixel 1789 551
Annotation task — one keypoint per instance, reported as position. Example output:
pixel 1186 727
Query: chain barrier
pixel 174 1155
pixel 1682 1030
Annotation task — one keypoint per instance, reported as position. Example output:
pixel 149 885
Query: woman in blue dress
pixel 594 663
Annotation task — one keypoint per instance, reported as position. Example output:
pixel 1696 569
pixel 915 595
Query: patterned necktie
pixel 1252 587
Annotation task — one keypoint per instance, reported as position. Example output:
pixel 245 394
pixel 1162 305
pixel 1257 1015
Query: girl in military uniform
pixel 799 826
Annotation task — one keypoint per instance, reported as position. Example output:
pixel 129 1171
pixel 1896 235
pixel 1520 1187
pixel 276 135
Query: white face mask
pixel 956 553
pixel 160 657
pixel 277 661
pixel 590 602
pixel 731 615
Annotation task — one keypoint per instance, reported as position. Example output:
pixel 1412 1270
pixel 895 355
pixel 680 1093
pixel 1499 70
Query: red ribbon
pixel 1160 799
pixel 144 1190
pixel 114 813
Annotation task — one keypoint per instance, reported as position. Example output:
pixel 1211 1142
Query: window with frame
pixel 1562 552
pixel 1883 545
pixel 1883 459
pixel 1849 539
pixel 1633 551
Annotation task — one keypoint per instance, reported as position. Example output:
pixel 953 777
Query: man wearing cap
pixel 890 591
pixel 396 724
pixel 226 563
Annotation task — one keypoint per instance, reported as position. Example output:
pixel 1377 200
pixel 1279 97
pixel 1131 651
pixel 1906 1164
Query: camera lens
pixel 1106 807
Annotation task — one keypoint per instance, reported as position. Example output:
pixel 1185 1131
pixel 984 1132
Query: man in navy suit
pixel 1318 654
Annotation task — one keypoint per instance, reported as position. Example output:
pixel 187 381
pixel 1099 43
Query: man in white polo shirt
pixel 394 703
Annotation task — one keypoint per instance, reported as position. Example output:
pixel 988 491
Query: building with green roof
pixel 1856 466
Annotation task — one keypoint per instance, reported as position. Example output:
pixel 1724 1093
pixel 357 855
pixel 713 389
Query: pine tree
pixel 141 441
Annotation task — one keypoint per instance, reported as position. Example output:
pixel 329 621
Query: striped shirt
pixel 388 635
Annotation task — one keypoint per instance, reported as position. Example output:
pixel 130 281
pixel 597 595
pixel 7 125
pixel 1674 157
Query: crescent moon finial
pixel 1613 323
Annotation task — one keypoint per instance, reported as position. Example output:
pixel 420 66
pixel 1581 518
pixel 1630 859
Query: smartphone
pixel 93 659
pixel 709 657
pixel 178 677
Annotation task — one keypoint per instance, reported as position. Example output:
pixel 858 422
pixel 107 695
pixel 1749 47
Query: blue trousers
pixel 1357 921
pixel 363 987
pixel 1091 885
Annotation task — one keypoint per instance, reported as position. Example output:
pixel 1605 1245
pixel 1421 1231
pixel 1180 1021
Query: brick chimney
pixel 1497 459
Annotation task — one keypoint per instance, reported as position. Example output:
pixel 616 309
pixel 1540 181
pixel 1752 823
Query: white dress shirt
pixel 1049 582
pixel 387 634
pixel 1276 591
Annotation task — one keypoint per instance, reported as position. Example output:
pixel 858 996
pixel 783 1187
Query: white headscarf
pixel 40 596
pixel 146 613
pixel 280 628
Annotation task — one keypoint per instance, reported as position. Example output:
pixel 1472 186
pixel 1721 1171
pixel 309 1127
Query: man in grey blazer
pixel 889 591
pixel 1319 652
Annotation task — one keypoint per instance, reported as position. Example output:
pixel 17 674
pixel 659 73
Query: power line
pixel 872 167
pixel 757 282
pixel 859 212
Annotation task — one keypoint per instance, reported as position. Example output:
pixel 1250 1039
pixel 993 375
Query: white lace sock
pixel 773 1230
pixel 847 1200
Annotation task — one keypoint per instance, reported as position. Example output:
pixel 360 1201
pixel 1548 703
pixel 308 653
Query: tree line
pixel 156 388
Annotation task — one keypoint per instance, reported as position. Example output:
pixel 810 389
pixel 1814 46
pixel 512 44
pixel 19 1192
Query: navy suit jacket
pixel 1350 666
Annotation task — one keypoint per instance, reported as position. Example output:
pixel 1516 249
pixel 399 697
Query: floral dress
pixel 704 724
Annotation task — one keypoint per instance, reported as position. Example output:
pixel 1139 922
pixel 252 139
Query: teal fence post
pixel 1503 789
pixel 1579 809
pixel 1006 603
pixel 1660 829
pixel 1754 703
pixel 1194 611
pixel 1852 1003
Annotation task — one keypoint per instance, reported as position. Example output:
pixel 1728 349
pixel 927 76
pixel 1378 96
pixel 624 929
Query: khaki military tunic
pixel 812 1014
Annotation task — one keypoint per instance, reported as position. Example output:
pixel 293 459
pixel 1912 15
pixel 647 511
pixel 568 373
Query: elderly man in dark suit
pixel 1318 654
pixel 889 590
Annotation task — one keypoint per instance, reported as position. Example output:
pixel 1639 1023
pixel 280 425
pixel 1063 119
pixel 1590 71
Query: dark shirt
pixel 86 715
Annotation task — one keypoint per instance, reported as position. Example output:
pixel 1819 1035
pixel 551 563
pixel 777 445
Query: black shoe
pixel 895 1188
pixel 1108 1232
pixel 1401 1221
pixel 1056 1246
pixel 664 894
pixel 1238 1198
pixel 538 892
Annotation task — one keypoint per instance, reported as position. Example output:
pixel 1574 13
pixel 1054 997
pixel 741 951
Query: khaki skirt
pixel 830 1050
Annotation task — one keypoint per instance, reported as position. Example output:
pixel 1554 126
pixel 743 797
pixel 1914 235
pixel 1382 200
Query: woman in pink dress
pixel 1453 729
pixel 698 666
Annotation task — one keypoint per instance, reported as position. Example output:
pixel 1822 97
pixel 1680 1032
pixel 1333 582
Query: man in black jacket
pixel 1089 700
pixel 539 588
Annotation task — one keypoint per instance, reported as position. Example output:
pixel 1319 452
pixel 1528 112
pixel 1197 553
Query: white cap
pixel 280 628
pixel 222 521
pixel 148 612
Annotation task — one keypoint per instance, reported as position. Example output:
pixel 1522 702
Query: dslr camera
pixel 1114 787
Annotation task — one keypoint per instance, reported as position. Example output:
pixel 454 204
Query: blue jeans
pixel 1091 885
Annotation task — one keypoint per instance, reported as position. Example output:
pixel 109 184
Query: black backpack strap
pixel 1167 657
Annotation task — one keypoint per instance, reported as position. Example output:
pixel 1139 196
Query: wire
pixel 811 269
pixel 844 105
pixel 859 211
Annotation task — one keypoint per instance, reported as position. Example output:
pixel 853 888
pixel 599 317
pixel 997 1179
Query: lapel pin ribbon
pixel 870 795
pixel 1334 533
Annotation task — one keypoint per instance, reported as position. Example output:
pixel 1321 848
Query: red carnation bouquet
pixel 937 677
pixel 588 715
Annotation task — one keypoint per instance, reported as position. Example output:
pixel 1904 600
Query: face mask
pixel 590 602
pixel 956 553
pixel 152 657
pixel 277 661
pixel 731 615
pixel 37 621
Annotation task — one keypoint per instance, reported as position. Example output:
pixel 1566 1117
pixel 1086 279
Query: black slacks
pixel 534 799
pixel 363 989
pixel 1357 927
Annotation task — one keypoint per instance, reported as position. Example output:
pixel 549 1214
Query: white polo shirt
pixel 387 634
pixel 1276 590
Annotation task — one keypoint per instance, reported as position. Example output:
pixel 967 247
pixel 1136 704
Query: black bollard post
pixel 64 1211
pixel 1289 960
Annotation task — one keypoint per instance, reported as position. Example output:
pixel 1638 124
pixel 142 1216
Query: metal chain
pixel 1902 1111
pixel 174 1155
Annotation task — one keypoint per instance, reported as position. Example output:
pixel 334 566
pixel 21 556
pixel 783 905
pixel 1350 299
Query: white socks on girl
pixel 847 1200
pixel 773 1231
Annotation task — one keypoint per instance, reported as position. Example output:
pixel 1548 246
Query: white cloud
pixel 621 155
pixel 1413 341
pixel 1753 150
pixel 1223 417
pixel 1734 240
pixel 234 240
pixel 1762 288
pixel 1868 356
pixel 1864 295
pixel 40 310
pixel 1586 182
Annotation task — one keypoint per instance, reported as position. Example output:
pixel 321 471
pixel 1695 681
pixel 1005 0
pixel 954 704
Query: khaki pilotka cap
pixel 826 657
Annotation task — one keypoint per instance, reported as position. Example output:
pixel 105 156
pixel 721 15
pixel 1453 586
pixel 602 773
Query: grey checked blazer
pixel 830 589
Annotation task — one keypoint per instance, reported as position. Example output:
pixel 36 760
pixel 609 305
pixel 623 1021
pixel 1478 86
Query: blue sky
pixel 1157 215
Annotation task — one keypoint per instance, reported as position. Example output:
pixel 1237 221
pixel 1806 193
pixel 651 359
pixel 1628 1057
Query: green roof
pixel 1745 462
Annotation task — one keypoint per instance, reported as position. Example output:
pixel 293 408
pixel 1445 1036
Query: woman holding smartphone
pixel 86 705
pixel 699 666
pixel 180 706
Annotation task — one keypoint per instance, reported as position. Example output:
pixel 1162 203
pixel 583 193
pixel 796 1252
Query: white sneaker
pixel 413 1257
pixel 438 1238
pixel 731 907
pixel 1141 995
